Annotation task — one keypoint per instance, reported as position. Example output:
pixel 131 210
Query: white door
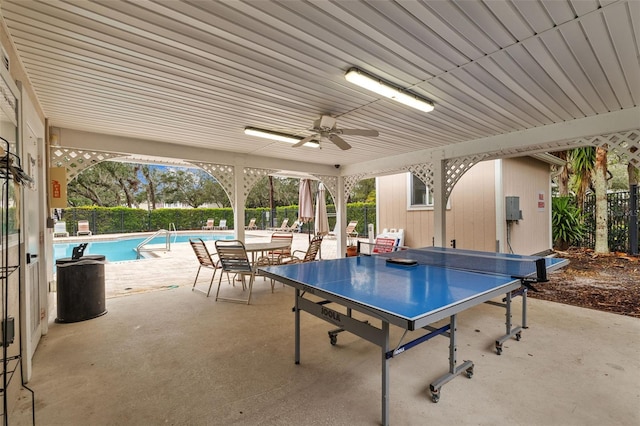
pixel 33 226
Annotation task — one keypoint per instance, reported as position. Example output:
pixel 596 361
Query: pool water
pixel 124 249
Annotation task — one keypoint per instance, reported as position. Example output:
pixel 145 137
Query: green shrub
pixel 566 221
pixel 110 220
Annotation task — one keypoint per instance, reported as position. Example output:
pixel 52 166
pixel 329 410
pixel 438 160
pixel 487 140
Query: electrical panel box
pixel 513 208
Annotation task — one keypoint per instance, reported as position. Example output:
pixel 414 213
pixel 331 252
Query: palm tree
pixel 590 166
pixel 634 176
pixel 563 176
pixel 582 162
pixel 632 170
pixel 600 185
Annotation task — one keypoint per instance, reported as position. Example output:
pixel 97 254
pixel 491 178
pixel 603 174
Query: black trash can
pixel 80 288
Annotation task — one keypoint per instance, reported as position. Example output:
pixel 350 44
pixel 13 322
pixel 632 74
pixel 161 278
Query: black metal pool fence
pixel 623 221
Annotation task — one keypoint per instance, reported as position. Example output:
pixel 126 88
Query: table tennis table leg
pixel 385 373
pixel 524 308
pixel 465 367
pixel 510 330
pixel 297 327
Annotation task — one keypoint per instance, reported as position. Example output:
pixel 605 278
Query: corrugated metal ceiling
pixel 196 73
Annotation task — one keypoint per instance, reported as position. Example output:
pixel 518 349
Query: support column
pixel 341 218
pixel 439 203
pixel 500 208
pixel 238 203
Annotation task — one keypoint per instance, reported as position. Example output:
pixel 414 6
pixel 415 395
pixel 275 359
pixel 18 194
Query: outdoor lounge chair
pixel 83 228
pixel 60 229
pixel 222 224
pixel 282 227
pixel 295 227
pixel 209 225
pixel 350 230
pixel 252 224
pixel 205 260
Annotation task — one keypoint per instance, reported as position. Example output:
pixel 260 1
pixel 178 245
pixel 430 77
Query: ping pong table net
pixel 527 268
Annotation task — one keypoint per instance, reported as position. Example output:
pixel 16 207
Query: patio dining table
pixel 262 247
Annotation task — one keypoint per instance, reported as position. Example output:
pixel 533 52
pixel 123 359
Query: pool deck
pixel 177 267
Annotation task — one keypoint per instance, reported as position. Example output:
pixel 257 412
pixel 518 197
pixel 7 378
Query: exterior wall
pixel 471 219
pixel 471 216
pixel 16 280
pixel 527 178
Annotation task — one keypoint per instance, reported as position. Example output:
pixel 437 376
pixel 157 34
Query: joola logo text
pixel 330 314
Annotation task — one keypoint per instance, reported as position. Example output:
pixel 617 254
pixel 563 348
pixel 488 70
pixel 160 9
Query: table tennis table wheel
pixel 469 372
pixel 498 348
pixel 435 395
pixel 518 336
pixel 333 338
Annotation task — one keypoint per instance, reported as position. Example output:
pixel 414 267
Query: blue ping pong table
pixel 412 297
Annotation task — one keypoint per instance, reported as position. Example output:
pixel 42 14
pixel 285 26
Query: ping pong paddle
pixel 402 261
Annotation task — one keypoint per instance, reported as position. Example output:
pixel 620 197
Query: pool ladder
pixel 167 245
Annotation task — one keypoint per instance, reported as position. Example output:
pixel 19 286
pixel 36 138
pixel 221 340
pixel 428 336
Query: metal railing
pixel 141 247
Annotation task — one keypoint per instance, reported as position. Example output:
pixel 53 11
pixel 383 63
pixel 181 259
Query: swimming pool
pixel 124 249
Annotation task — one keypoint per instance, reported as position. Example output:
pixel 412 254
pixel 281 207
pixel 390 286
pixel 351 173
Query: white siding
pixel 471 218
pixel 527 178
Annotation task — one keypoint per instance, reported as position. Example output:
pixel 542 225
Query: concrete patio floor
pixel 174 356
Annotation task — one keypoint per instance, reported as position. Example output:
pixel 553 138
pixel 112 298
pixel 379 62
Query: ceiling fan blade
pixel 358 132
pixel 340 143
pixel 303 141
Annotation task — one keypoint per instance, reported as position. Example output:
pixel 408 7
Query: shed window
pixel 419 195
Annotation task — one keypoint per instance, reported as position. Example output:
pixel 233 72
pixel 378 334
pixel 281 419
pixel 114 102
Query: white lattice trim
pixel 76 160
pixel 624 144
pixel 252 176
pixel 224 174
pixel 351 181
pixel 330 184
pixel 454 168
pixel 424 172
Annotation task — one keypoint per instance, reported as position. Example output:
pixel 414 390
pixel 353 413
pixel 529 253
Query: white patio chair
pixel 60 229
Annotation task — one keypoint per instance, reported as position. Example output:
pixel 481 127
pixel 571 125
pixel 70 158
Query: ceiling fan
pixel 325 128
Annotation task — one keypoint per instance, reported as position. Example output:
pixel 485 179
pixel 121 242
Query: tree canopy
pixel 112 184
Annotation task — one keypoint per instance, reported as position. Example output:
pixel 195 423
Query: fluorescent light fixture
pixel 276 136
pixel 378 86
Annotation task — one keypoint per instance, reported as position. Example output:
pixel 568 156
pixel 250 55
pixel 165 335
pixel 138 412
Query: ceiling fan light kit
pixel 376 85
pixel 277 136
